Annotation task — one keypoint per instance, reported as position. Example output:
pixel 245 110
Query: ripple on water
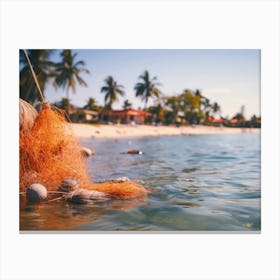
pixel 189 170
pixel 204 182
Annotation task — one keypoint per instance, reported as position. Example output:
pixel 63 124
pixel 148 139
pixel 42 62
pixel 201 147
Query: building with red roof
pixel 127 116
pixel 215 121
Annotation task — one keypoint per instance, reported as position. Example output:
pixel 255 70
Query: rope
pixel 37 84
pixel 34 76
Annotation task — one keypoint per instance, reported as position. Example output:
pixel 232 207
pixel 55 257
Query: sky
pixel 229 77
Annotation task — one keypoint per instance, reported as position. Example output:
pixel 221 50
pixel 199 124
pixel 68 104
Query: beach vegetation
pixel 172 104
pixel 158 113
pixel 66 105
pixel 93 105
pixel 239 117
pixel 112 92
pixel 147 88
pixel 216 108
pixel 190 106
pixel 68 72
pixel 43 67
pixel 184 108
pixel 126 104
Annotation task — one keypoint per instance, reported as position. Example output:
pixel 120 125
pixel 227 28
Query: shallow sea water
pixel 196 183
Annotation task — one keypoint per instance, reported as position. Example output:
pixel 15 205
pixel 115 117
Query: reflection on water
pixel 207 182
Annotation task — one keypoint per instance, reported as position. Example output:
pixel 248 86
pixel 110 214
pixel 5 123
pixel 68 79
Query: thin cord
pixel 34 76
pixel 37 83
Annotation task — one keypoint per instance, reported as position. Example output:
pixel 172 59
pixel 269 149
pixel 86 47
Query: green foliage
pixel 158 113
pixel 183 108
pixel 172 104
pixel 67 72
pixel 65 104
pixel 43 68
pixel 147 88
pixel 216 108
pixel 126 104
pixel 188 107
pixel 112 91
pixel 239 117
pixel 92 105
pixel 189 102
pixel 170 117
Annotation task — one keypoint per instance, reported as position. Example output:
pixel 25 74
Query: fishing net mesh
pixel 50 153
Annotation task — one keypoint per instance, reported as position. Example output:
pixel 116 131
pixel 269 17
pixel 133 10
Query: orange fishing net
pixel 122 190
pixel 50 153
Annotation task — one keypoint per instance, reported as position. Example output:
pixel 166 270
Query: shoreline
pixel 118 131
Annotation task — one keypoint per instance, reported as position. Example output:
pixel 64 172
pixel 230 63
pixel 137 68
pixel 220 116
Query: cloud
pixel 216 90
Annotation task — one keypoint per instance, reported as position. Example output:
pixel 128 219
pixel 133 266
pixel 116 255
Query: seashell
pixel 83 196
pixel 36 193
pixel 68 185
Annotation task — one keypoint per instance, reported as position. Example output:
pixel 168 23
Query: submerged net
pixel 50 153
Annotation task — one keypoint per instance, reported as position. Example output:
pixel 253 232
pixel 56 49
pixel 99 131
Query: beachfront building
pixel 85 116
pixel 234 122
pixel 214 121
pixel 126 116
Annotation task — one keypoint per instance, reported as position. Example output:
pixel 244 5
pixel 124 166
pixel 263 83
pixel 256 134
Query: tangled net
pixel 50 153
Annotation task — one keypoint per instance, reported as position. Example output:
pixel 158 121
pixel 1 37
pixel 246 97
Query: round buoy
pixel 35 193
pixel 68 185
pixel 27 115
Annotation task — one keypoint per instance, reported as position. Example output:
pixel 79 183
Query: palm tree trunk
pixel 145 108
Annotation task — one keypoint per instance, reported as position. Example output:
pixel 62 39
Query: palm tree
pixel 68 72
pixel 173 104
pixel 190 106
pixel 207 107
pixel 198 93
pixel 65 104
pixel 126 104
pixel 91 104
pixel 239 117
pixel 43 69
pixel 216 108
pixel 111 90
pixel 147 88
pixel 158 113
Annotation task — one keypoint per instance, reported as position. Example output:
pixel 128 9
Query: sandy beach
pixel 116 131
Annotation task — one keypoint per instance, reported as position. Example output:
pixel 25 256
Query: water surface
pixel 197 183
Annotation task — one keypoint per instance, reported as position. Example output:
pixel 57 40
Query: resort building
pixel 214 121
pixel 85 116
pixel 127 116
